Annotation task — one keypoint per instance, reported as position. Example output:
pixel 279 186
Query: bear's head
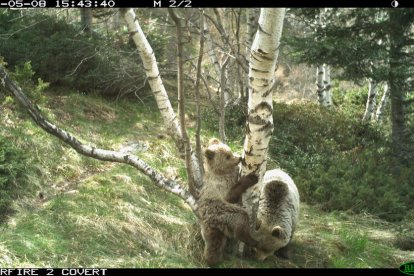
pixel 219 158
pixel 277 239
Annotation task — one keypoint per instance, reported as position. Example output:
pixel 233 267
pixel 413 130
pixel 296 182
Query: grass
pixel 99 214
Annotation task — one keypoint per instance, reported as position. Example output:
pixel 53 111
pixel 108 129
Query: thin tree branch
pixel 181 104
pixel 197 94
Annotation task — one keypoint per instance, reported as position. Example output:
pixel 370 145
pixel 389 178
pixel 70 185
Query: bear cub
pixel 218 216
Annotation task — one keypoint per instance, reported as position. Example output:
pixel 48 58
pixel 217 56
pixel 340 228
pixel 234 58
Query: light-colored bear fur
pixel 218 218
pixel 278 213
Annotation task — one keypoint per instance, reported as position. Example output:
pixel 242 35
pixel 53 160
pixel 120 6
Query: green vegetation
pixel 81 212
pixel 62 54
pixel 61 209
pixel 340 163
pixel 12 167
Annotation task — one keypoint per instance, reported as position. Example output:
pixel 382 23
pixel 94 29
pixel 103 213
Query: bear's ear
pixel 277 232
pixel 214 141
pixel 209 154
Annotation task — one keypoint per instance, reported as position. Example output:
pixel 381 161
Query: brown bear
pixel 219 218
pixel 278 214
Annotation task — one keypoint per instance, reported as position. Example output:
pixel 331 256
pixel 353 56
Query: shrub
pixel 12 167
pixel 62 54
pixel 339 163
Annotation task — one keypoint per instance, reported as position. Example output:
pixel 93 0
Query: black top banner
pixel 204 3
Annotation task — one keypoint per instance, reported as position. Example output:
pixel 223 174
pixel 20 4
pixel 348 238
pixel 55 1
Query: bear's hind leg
pixel 242 230
pixel 215 242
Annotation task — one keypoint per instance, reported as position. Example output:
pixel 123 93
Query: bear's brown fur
pixel 220 219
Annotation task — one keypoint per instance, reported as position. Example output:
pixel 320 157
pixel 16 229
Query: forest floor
pixel 87 213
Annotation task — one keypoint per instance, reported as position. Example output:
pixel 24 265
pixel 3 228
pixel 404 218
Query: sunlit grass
pixel 100 214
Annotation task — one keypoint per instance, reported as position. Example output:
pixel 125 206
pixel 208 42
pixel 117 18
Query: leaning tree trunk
pixel 259 124
pixel 91 151
pixel 371 101
pixel 164 105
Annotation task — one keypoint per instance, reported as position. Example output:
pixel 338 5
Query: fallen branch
pixel 90 151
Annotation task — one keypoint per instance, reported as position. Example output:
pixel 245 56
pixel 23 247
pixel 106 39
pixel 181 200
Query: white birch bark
pixel 320 88
pixel 154 79
pixel 370 105
pixel 327 86
pixel 381 107
pixel 259 125
pixel 153 74
pixel 322 71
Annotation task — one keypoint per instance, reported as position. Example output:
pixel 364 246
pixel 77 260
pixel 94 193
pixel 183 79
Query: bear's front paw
pixel 252 178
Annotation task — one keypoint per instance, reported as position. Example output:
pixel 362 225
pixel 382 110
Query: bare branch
pixel 90 151
pixel 197 94
pixel 223 87
pixel 217 23
pixel 181 104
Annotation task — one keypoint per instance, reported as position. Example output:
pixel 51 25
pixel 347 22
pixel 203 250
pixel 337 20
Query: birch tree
pixel 320 88
pixel 323 75
pixel 164 105
pixel 259 124
pixel 327 85
pixel 371 100
pixel 252 21
pixel 355 39
pixel 383 103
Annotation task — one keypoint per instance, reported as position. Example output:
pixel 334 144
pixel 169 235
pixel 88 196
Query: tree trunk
pixel 381 107
pixel 259 124
pixel 400 141
pixel 371 101
pixel 211 51
pixel 151 69
pixel 327 86
pixel 223 100
pixel 86 19
pixel 320 89
pixel 197 96
pixel 181 104
pixel 252 23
